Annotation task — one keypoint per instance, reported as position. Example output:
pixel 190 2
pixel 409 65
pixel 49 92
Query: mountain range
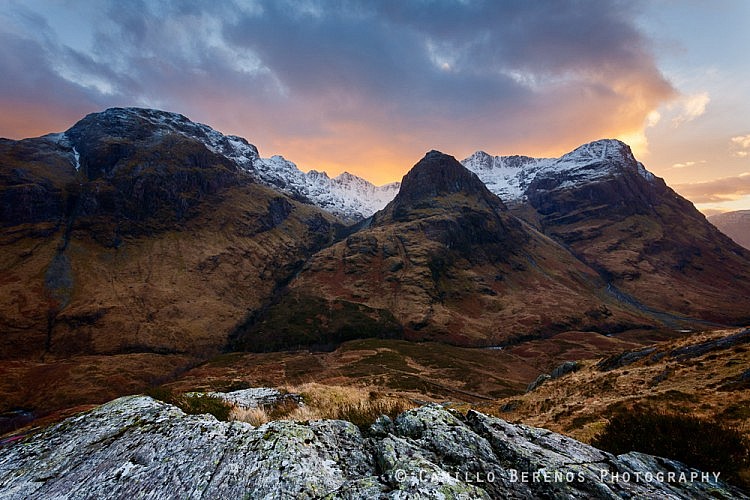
pixel 144 241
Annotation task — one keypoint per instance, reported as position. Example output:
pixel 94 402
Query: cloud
pixel 740 146
pixel 691 107
pixel 688 164
pixel 351 81
pixel 718 190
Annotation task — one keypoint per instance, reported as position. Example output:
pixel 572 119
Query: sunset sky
pixel 368 87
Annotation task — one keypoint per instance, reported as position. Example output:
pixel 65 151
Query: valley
pixel 143 252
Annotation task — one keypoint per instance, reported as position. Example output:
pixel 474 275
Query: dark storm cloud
pixel 460 75
pixel 31 89
pixel 448 56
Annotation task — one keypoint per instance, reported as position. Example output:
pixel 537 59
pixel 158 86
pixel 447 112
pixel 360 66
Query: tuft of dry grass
pixel 359 405
pixel 253 416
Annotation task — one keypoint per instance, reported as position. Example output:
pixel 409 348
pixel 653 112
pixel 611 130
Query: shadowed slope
pixel 443 261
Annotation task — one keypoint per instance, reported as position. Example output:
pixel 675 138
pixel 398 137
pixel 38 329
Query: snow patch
pixel 346 195
pixel 509 177
pixel 77 159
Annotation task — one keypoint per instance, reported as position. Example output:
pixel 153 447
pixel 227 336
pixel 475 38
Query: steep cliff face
pixel 35 175
pixel 136 446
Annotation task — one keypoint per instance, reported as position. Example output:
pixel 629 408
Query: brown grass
pixel 359 405
pixel 580 403
pixel 253 416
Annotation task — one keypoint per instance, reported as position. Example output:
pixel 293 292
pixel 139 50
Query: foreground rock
pixel 136 447
pixel 256 397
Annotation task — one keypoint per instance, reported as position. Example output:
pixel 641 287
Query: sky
pixel 369 87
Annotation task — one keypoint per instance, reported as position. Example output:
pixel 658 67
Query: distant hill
pixel 736 225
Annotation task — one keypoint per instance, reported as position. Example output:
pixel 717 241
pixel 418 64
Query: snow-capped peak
pixel 165 122
pixel 510 176
pixel 346 195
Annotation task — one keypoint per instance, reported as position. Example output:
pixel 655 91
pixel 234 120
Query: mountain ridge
pixel 444 246
pixel 347 196
pixel 139 236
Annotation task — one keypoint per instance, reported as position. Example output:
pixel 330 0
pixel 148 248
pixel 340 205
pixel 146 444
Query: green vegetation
pixel 300 320
pixel 200 404
pixel 193 404
pixel 364 413
pixel 706 444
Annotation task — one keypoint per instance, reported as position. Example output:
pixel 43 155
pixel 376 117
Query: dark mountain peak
pixel 108 139
pixel 439 174
pixel 438 183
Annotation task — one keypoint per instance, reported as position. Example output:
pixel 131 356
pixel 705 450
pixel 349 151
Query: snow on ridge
pixel 510 176
pixel 346 195
pixel 77 159
pixel 233 147
pixel 62 139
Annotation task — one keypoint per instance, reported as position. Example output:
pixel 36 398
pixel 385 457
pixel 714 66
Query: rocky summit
pixel 137 447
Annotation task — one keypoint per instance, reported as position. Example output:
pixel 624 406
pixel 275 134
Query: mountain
pixel 138 243
pixel 651 245
pixel 136 240
pixel 511 177
pixel 346 196
pixel 445 260
pixel 736 225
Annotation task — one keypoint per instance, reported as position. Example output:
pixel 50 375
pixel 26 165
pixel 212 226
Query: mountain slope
pixel 444 261
pixel 704 374
pixel 653 247
pixel 736 225
pixel 136 231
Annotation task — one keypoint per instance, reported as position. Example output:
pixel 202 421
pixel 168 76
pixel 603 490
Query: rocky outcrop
pixel 256 397
pixel 559 371
pixel 138 447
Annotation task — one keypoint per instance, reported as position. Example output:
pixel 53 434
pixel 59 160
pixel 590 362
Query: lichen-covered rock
pixel 256 397
pixel 136 447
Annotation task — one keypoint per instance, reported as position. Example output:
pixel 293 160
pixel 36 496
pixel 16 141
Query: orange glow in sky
pixel 368 88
